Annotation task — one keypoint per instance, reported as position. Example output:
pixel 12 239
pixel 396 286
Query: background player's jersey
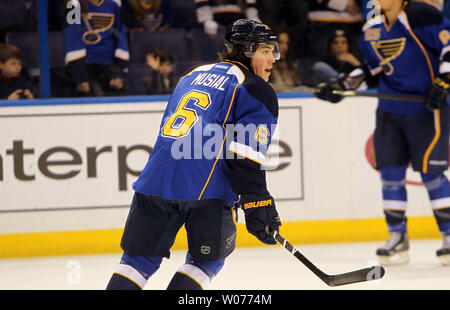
pixel 191 157
pixel 100 37
pixel 408 54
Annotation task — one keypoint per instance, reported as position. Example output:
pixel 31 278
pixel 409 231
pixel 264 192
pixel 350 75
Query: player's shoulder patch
pixel 421 14
pixel 263 92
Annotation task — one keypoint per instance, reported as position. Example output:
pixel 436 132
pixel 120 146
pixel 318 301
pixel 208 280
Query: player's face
pixel 11 68
pixel 263 60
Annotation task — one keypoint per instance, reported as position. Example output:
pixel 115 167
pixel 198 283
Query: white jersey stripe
pixel 246 151
pixel 74 55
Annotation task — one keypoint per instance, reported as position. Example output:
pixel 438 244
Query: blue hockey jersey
pixel 407 55
pixel 100 37
pixel 216 111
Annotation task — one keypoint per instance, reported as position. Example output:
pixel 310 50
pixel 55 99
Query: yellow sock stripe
pixel 299 232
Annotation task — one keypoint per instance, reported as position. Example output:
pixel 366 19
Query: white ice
pixel 259 268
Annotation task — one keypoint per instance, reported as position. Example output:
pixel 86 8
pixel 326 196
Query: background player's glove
pixel 438 95
pixel 324 91
pixel 260 212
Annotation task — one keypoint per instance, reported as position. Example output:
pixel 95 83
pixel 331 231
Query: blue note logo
pixel 388 50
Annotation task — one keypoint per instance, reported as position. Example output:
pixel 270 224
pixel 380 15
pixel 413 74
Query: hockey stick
pixel 379 95
pixel 361 275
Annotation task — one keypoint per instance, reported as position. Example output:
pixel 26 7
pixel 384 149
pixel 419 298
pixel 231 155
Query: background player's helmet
pixel 250 34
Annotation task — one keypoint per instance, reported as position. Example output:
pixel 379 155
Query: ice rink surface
pixel 259 268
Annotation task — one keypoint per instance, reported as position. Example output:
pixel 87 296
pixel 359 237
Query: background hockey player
pixel 233 99
pixel 96 49
pixel 407 49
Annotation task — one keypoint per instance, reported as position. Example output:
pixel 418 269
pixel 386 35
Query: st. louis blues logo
pixel 96 23
pixel 388 50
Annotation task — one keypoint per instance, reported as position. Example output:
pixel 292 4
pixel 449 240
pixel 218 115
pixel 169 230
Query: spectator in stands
pixel 96 50
pixel 163 80
pixel 147 15
pixel 17 16
pixel 284 75
pixel 13 84
pixel 327 16
pixel 182 15
pixel 212 13
pixel 290 16
pixel 338 59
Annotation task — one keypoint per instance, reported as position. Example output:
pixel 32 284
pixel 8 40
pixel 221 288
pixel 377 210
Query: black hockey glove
pixel 260 212
pixel 324 91
pixel 438 95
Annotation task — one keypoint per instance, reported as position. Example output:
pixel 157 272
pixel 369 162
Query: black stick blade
pixel 362 275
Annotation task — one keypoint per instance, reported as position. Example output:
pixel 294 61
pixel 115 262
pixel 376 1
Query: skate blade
pixel 399 258
pixel 445 259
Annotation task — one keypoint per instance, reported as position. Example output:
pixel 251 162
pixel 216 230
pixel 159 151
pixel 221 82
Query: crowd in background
pixel 105 49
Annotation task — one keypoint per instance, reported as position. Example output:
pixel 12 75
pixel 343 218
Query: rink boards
pixel 67 166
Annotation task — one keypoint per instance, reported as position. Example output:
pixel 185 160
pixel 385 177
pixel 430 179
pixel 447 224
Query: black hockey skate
pixel 395 251
pixel 444 253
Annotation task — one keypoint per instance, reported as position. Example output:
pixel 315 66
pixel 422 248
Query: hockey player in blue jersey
pixel 192 182
pixel 407 50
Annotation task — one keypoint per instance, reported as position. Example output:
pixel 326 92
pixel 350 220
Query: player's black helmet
pixel 250 34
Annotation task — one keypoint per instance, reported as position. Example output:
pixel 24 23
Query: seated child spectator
pixel 13 84
pixel 337 59
pixel 163 80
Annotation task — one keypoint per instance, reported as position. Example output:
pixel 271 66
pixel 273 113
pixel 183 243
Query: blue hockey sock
pixel 394 197
pixel 211 268
pixel 189 277
pixel 195 275
pixel 438 189
pixel 133 272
